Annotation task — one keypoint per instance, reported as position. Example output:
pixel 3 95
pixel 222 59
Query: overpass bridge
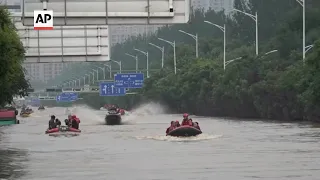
pixel 51 94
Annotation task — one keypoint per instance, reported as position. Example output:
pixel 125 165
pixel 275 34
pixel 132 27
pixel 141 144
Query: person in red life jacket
pixel 172 126
pixel 177 124
pixel 185 120
pixel 122 111
pixel 75 122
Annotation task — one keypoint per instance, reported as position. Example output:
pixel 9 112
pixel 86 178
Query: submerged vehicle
pixel 63 130
pixel 184 131
pixel 113 118
pixel 8 117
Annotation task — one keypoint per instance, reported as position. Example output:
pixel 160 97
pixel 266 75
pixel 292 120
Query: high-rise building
pixel 43 71
pixel 35 71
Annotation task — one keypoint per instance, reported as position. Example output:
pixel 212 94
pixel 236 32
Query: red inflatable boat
pixel 63 129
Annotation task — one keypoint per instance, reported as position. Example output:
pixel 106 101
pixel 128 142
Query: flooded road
pixel 139 150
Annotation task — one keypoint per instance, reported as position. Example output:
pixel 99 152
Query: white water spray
pixel 144 110
pixel 200 137
pixel 87 115
pixel 149 109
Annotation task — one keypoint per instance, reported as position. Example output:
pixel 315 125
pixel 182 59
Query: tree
pixel 12 78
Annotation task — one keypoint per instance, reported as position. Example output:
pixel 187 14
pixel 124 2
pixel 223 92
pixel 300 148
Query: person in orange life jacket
pixel 185 120
pixel 172 126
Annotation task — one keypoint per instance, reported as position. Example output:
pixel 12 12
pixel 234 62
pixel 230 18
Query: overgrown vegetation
pixel 12 79
pixel 274 84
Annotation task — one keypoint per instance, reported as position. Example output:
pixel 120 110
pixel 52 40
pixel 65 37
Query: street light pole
pixel 97 73
pixel 255 18
pixel 79 80
pixel 195 37
pixel 110 69
pixel 147 55
pixel 92 77
pixel 223 29
pixel 88 78
pixel 84 80
pixel 136 58
pixel 302 3
pixel 173 44
pixel 162 53
pixel 104 72
pixel 119 63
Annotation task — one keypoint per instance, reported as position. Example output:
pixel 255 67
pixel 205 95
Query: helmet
pixel 185 115
pixel 74 116
pixel 53 116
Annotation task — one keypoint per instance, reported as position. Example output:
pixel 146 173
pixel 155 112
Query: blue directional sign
pixel 67 97
pixel 109 89
pixel 129 80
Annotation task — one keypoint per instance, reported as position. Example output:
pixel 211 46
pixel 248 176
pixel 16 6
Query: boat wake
pixel 143 112
pixel 200 137
pixel 87 115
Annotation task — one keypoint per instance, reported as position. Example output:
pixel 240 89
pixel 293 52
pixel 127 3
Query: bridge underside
pixel 109 12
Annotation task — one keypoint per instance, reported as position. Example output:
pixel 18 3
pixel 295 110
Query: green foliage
pixel 275 85
pixel 12 79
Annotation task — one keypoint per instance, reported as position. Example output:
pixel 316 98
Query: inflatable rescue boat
pixel 184 131
pixel 63 130
pixel 113 118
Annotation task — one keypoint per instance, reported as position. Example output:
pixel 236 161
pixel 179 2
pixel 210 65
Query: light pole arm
pixel 250 15
pixel 118 62
pixel 171 43
pixel 145 53
pixel 230 61
pixel 216 25
pixel 130 55
pixel 107 66
pixel 193 36
pixel 300 2
pixel 160 48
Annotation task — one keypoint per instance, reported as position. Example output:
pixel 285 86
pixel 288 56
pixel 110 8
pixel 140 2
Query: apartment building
pixel 35 71
pixel 43 71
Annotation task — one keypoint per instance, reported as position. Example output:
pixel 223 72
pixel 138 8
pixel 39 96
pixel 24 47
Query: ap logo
pixel 43 20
